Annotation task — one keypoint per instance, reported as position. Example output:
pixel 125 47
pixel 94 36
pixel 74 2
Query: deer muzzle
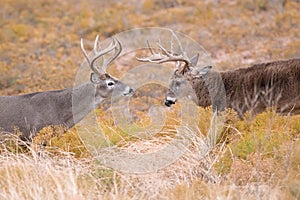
pixel 169 101
pixel 129 92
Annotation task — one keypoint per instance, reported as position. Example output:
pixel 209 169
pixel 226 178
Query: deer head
pixel 104 83
pixel 186 69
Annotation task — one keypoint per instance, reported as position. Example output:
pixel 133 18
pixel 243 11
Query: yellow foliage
pixel 40 51
pixel 268 135
pixel 21 30
pixel 148 6
pixel 57 139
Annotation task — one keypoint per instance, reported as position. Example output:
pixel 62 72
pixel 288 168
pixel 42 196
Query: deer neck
pixel 84 101
pixel 209 89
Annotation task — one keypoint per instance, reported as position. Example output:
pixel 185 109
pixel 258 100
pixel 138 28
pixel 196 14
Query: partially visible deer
pixel 274 84
pixel 31 112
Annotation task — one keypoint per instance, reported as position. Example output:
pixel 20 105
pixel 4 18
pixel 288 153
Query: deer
pixel 272 84
pixel 29 113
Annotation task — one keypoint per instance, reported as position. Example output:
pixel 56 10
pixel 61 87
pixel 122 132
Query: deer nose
pixel 169 102
pixel 131 91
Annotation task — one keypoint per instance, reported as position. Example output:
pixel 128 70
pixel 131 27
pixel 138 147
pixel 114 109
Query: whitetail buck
pixel 31 112
pixel 274 84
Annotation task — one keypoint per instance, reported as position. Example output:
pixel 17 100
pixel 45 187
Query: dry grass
pixel 255 158
pixel 35 175
pixel 264 172
pixel 43 173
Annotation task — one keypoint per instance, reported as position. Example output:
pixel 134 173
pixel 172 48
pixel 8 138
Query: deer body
pixel 31 112
pixel 274 84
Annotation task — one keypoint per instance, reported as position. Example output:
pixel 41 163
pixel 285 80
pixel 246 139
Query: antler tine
pixel 96 44
pixel 150 48
pixel 99 54
pixel 178 42
pixel 96 49
pixel 118 51
pixel 164 50
pixel 150 58
pixel 84 52
pixel 159 42
pixel 182 52
pixel 166 56
pixel 158 58
pixel 172 45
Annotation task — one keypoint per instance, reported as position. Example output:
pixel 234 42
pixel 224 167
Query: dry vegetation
pixel 258 157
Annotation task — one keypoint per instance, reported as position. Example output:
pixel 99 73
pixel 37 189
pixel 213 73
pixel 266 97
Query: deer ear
pixel 200 71
pixel 95 78
pixel 194 60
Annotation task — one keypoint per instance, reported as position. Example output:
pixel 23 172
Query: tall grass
pixel 267 169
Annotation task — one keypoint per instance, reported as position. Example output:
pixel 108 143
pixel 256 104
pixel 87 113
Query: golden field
pixel 257 157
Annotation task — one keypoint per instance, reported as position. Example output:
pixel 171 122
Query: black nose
pixel 169 103
pixel 131 91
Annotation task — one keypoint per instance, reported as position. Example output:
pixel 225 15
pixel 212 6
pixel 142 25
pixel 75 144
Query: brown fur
pixel 273 84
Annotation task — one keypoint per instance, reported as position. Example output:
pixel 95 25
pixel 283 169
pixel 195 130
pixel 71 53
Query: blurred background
pixel 40 40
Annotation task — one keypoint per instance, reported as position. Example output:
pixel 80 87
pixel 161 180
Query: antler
pixel 167 56
pixel 114 45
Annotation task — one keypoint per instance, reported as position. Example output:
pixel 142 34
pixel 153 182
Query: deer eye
pixel 110 83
